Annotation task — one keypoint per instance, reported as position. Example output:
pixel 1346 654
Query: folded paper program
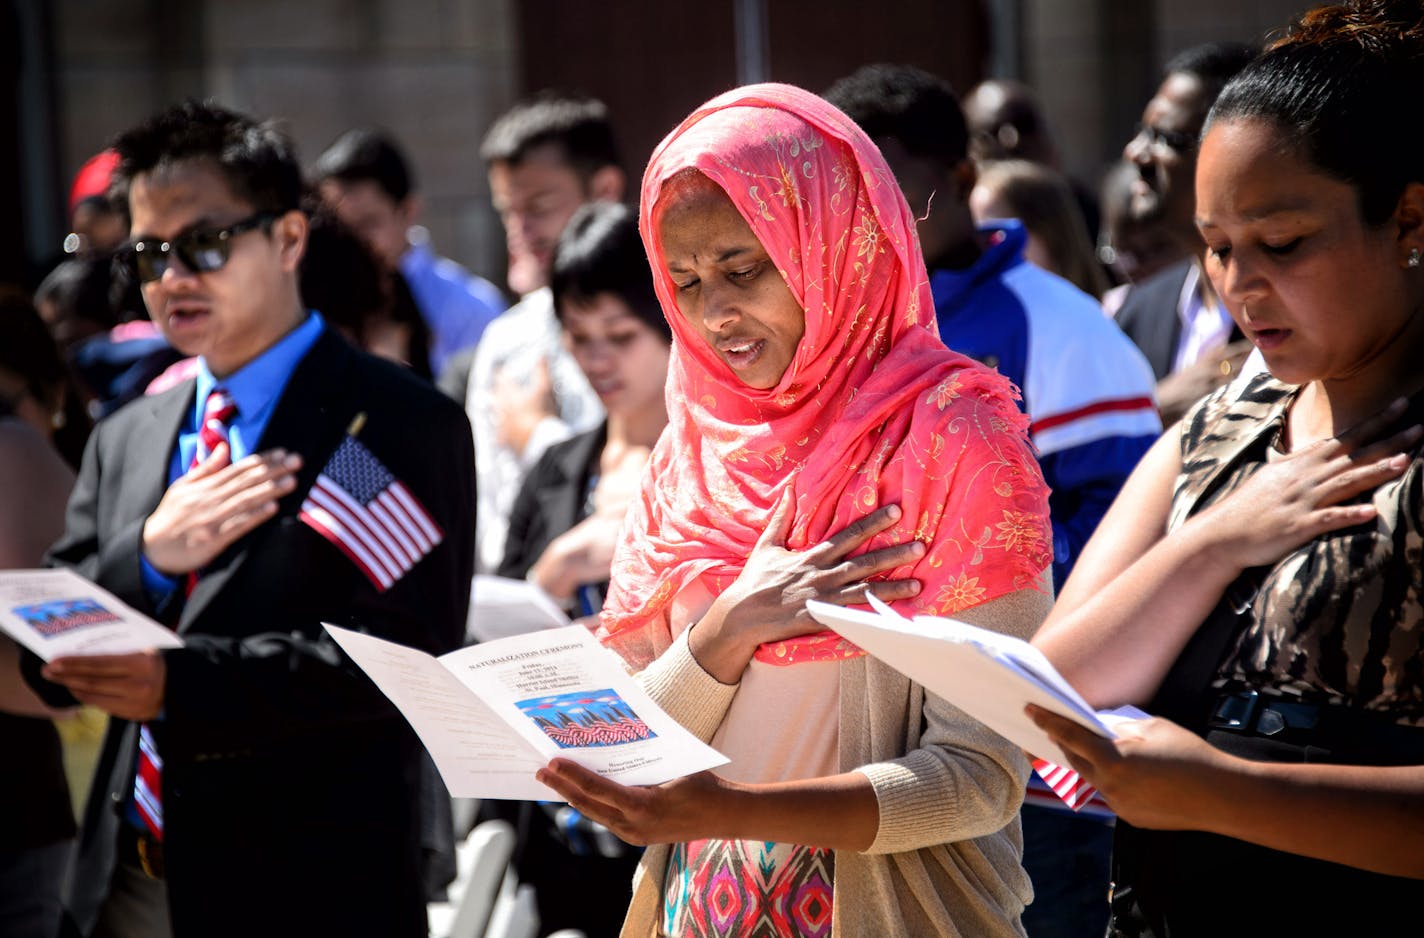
pixel 990 676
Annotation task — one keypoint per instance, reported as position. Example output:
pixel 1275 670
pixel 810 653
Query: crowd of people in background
pixel 863 338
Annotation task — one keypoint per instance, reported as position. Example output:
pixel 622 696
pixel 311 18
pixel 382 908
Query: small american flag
pixel 369 514
pixel 1066 783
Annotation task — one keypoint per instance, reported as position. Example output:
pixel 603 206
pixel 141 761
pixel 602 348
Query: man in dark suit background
pixel 283 796
pixel 1175 317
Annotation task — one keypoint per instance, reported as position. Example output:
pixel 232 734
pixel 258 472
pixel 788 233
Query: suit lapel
pixel 310 419
pixel 154 441
pixel 564 507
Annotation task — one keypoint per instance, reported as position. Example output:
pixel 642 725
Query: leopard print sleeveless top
pixel 1341 619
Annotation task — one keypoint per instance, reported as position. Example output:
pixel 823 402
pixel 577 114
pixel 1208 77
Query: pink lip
pixel 181 315
pixel 1267 339
pixel 746 355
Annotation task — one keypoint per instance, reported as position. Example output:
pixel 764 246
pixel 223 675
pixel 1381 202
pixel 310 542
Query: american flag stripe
pixel 417 514
pixel 341 529
pixel 1066 783
pixel 325 524
pixel 401 542
pixel 357 525
pixel 338 529
pixel 358 505
pixel 404 523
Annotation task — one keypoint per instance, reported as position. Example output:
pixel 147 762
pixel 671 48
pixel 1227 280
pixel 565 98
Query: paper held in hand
pixel 491 715
pixel 57 613
pixel 988 675
pixel 500 607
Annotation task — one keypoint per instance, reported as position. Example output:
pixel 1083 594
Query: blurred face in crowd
pixel 987 203
pixel 1321 293
pixel 939 199
pixel 535 199
pixel 727 287
pixel 97 227
pixel 232 314
pixel 368 210
pixel 1164 152
pixel 624 359
pixel 16 394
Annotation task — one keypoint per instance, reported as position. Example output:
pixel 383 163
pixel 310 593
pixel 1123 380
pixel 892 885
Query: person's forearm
pixel 684 689
pixel 1362 816
pixel 1116 645
pixel 838 812
pixel 720 651
pixel 551 573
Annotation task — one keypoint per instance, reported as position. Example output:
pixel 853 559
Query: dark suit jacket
pixel 1149 317
pixel 551 500
pixel 290 782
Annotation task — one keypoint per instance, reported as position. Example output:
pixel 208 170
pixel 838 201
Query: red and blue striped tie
pixel 218 413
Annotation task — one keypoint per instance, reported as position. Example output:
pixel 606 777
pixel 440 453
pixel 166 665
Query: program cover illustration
pixel 586 719
pixel 63 615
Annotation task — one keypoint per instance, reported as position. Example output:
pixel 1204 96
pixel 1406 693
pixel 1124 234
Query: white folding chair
pixel 483 861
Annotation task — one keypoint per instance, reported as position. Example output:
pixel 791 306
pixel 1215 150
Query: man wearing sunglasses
pixel 252 781
pixel 1174 317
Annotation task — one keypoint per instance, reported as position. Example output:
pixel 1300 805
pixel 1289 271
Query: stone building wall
pixel 433 72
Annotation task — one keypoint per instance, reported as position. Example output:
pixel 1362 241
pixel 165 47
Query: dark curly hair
pixel 257 159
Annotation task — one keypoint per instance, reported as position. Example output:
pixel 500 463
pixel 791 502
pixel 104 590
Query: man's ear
pixel 410 208
pixel 964 176
pixel 290 233
pixel 607 184
pixel 1409 223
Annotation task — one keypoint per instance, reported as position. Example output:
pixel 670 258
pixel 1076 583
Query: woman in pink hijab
pixel 822 442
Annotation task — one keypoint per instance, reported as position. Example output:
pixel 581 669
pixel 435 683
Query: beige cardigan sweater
pixel 946 859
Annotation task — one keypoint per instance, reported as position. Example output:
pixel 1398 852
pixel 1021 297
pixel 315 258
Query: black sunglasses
pixel 200 251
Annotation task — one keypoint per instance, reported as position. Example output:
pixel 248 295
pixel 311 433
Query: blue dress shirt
pixel 255 388
pixel 455 304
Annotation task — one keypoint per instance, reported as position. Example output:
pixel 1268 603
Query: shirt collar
pixel 257 384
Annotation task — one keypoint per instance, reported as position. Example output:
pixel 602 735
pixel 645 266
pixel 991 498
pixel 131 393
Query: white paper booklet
pixel 501 607
pixel 55 613
pixel 989 676
pixel 493 714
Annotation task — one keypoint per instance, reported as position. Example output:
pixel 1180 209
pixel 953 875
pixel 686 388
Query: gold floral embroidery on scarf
pixel 787 190
pixel 924 532
pixel 912 310
pixel 1020 532
pixel 964 592
pixel 944 392
pixel 875 348
pixel 979 543
pixel 765 210
pixel 867 236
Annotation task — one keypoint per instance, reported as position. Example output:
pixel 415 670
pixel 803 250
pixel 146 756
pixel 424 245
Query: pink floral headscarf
pixel 873 409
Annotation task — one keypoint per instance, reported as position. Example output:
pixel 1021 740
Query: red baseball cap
pixel 93 178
